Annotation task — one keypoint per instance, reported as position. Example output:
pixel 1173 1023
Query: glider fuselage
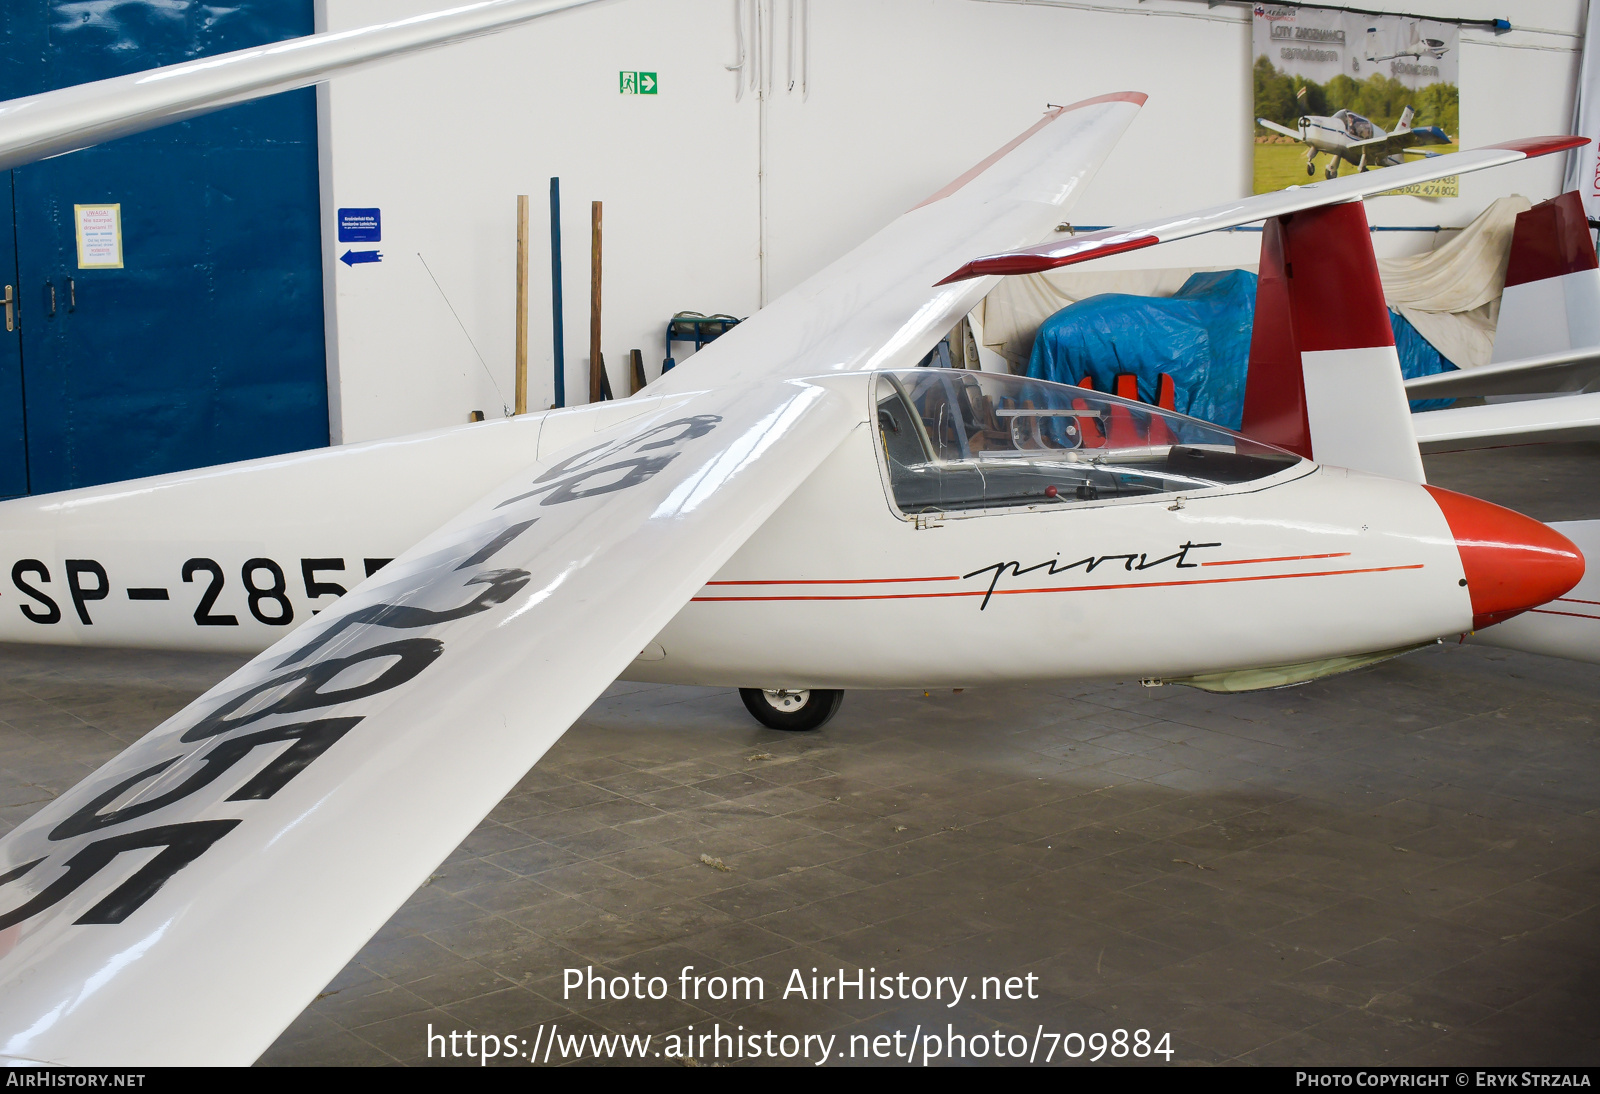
pixel 840 588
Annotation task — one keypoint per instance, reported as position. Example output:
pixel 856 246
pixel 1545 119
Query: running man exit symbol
pixel 638 83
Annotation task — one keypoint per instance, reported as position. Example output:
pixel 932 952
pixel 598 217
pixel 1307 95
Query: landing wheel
pixel 1332 172
pixel 1364 170
pixel 795 711
pixel 1311 169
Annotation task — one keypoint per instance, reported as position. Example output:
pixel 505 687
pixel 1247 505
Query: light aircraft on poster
pixel 1348 137
pixel 797 510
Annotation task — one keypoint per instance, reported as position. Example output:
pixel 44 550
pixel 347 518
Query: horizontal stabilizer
pixel 1529 421
pixel 1080 248
pixel 1570 370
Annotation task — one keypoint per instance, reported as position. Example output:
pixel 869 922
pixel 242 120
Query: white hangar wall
pixel 712 200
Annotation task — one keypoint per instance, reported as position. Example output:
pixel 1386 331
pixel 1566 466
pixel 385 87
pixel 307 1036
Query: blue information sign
pixel 360 226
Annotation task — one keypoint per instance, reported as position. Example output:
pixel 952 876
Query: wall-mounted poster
pixel 99 229
pixel 1337 92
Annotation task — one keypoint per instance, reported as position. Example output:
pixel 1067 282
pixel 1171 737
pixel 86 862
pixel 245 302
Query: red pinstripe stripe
pixel 1575 600
pixel 1286 558
pixel 1065 588
pixel 1574 615
pixel 840 581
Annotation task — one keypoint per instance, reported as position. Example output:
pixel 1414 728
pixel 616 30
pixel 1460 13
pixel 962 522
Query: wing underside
pixel 187 900
pixel 65 120
pixel 184 903
pixel 1386 145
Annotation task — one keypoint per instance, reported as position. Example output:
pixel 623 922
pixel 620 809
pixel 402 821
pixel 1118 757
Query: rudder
pixel 1551 301
pixel 1324 379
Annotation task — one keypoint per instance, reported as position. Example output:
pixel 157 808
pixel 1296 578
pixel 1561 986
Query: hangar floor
pixel 1395 866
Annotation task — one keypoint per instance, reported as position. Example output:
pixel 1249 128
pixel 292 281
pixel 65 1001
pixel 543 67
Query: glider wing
pixel 57 122
pixel 182 904
pixel 185 902
pixel 1080 248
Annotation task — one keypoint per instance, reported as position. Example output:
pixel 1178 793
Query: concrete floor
pixel 1395 866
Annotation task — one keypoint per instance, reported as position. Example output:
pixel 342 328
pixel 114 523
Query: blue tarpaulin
pixel 1200 336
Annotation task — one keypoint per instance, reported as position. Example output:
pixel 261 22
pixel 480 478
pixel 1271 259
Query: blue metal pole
pixel 555 292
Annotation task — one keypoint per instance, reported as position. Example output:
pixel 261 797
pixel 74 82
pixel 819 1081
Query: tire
pixel 806 710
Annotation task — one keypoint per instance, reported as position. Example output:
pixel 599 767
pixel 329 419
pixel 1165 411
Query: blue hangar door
pixel 168 286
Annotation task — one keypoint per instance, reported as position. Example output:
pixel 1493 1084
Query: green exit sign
pixel 638 83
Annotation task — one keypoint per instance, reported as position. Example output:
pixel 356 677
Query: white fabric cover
pixel 1451 294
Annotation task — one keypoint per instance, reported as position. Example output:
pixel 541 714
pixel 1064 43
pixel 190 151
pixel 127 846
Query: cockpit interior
pixel 1355 125
pixel 956 440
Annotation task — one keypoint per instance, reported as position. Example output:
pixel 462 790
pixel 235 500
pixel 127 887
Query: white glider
pixel 797 509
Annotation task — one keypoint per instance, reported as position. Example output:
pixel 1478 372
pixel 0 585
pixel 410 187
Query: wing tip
pixel 1541 146
pixel 1014 263
pixel 1137 98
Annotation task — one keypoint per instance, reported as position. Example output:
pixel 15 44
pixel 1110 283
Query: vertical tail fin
pixel 1275 391
pixel 1404 124
pixel 1551 301
pixel 1324 378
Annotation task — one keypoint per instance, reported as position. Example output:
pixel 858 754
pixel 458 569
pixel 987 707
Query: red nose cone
pixel 1512 562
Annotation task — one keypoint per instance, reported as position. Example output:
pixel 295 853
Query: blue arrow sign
pixel 355 258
